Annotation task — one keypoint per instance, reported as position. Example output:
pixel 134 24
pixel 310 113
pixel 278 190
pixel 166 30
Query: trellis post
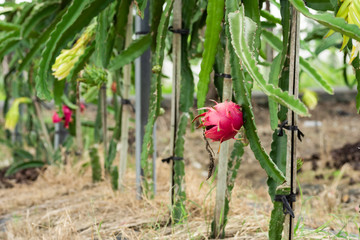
pixel 291 162
pixel 177 184
pixel 221 185
pixel 125 110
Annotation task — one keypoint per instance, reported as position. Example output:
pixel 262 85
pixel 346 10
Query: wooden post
pixel 291 163
pixel 223 158
pixel 178 195
pixel 125 109
pixel 175 97
pixel 79 143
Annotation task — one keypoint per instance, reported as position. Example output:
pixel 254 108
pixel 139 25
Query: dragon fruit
pixel 67 116
pixel 222 122
pixel 82 107
pixel 56 118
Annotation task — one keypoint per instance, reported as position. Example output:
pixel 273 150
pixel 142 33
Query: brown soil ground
pixel 23 176
pixel 64 204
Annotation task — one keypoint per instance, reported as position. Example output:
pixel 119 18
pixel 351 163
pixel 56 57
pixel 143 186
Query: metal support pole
pixel 142 89
pixel 56 136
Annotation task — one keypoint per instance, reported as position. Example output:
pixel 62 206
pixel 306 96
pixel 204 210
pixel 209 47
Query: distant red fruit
pixel 82 107
pixel 66 118
pixel 222 122
pixel 56 118
pixel 113 87
pixel 67 115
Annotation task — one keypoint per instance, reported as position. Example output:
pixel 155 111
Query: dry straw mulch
pixel 62 204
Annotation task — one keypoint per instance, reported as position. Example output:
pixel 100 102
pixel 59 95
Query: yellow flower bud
pixel 310 99
pixel 68 57
pixel 12 116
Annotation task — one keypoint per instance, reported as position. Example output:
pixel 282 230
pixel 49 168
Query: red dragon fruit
pixel 222 122
pixel 67 116
pixel 82 107
pixel 56 118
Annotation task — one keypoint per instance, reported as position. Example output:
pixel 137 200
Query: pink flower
pixel 67 115
pixel 222 122
pixel 56 118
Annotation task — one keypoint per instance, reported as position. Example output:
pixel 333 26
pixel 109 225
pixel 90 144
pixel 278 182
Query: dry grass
pixel 64 205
